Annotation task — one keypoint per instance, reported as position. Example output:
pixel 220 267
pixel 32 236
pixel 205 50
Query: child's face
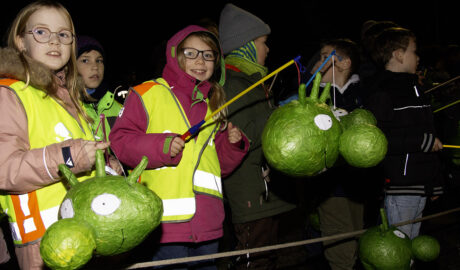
pixel 199 68
pixel 326 71
pixel 410 58
pixel 91 67
pixel 53 53
pixel 262 49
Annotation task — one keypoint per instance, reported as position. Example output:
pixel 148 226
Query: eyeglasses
pixel 43 35
pixel 191 53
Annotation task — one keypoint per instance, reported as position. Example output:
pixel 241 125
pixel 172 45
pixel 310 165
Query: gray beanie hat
pixel 237 27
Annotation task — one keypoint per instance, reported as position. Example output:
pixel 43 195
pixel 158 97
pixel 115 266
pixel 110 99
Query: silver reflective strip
pixel 401 187
pixel 411 107
pixel 24 202
pixel 15 231
pixel 177 207
pixel 416 91
pixel 428 144
pixel 49 216
pixel 407 191
pixel 207 180
pixel 29 225
pixel 405 165
pixel 424 141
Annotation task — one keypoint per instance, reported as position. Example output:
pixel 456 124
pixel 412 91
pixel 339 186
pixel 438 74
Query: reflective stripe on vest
pixel 199 169
pixel 48 122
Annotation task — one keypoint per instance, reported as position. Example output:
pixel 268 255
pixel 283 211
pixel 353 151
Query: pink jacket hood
pixel 175 76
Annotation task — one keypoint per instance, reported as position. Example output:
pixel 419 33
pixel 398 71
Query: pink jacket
pixel 130 142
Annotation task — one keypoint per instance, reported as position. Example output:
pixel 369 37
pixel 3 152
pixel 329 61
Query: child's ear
pixel 398 55
pixel 19 41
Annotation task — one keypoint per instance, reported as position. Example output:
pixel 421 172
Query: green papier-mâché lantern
pixel 304 137
pixel 385 247
pixel 104 215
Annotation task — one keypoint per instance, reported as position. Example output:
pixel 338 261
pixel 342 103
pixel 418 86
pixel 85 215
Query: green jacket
pixel 108 106
pixel 245 187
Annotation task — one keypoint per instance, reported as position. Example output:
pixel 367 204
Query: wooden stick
pixel 442 84
pixel 279 246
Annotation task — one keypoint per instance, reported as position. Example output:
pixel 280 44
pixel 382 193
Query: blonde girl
pixel 43 124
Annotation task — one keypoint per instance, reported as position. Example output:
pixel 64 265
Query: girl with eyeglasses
pixel 43 124
pixel 186 174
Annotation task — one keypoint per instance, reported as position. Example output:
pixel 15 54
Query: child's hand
pixel 437 145
pixel 177 145
pixel 91 147
pixel 234 134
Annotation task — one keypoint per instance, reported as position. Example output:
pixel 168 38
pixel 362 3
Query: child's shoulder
pixel 151 85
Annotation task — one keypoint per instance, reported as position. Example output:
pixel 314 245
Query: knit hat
pixel 86 44
pixel 237 27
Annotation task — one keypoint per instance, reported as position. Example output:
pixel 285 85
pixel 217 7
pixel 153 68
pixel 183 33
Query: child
pixel 341 210
pixel 411 167
pixel 43 124
pixel 340 203
pixel 255 200
pixel 185 174
pixel 90 64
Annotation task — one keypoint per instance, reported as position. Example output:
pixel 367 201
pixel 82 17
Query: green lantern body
pixel 387 248
pixel 303 138
pixel 104 215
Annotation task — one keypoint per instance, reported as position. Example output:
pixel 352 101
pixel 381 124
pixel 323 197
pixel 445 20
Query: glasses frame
pixel 200 52
pixel 32 32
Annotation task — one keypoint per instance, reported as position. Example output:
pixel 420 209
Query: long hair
pixel 17 29
pixel 216 94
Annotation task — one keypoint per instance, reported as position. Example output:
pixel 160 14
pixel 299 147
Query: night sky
pixel 132 32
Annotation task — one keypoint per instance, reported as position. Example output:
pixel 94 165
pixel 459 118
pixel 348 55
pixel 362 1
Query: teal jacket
pixel 108 106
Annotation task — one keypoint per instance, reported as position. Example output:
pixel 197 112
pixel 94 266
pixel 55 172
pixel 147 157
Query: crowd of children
pixel 57 109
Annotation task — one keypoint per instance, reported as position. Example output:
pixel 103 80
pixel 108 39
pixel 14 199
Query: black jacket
pixel 405 116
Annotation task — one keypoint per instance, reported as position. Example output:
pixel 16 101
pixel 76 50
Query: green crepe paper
pixel 67 244
pixel 104 215
pixel 385 250
pixel 425 248
pixel 363 145
pixel 138 214
pixel 295 143
pixel 357 116
pixel 384 247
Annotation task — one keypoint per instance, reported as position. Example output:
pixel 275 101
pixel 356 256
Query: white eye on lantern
pixel 399 234
pixel 67 209
pixel 105 204
pixel 323 121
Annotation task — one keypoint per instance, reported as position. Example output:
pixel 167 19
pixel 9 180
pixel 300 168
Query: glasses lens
pixel 65 37
pixel 209 55
pixel 190 53
pixel 41 34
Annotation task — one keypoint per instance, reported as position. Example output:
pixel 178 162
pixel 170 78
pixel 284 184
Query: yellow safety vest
pixel 48 122
pixel 199 168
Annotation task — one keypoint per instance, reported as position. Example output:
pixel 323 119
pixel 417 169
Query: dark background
pixel 132 31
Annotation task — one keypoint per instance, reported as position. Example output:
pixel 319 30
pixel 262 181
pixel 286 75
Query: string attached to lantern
pixel 194 129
